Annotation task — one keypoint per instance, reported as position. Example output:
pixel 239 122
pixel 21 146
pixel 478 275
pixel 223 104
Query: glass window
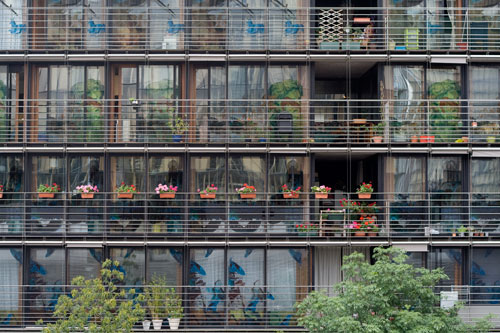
pixel 11 260
pixel 46 280
pixel 287 278
pixel 485 275
pixel 167 170
pixel 130 170
pixel 132 264
pixel 209 23
pixel 206 286
pixel 11 77
pixel 48 170
pixel 86 170
pixel 246 295
pixel 84 262
pixel 451 260
pixel 208 170
pixel 290 170
pixel 166 262
pixel 11 173
pixel 249 170
pixel 129 24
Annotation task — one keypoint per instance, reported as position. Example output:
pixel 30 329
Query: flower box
pixel 319 195
pixel 125 195
pixel 46 195
pixel 364 195
pixel 377 139
pixel 248 195
pixel 427 139
pixel 207 195
pixel 360 234
pixel 167 195
pixel 87 195
pixel 1 195
pixel 290 195
pixel 372 234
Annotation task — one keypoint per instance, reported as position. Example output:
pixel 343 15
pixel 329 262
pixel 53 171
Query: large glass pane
pixel 11 204
pixel 64 28
pixel 448 204
pixel 484 275
pixel 84 262
pixel 166 25
pixel 406 24
pixel 484 27
pixel 129 23
pixel 46 280
pixel 166 215
pixel 166 262
pixel 405 185
pixel 246 294
pixel 206 290
pixel 451 260
pixel 287 280
pixel 10 123
pixel 288 24
pixel 209 214
pixel 132 264
pixel 11 260
pixel 485 182
pixel 247 25
pixel 484 89
pixel 12 16
pixel 444 89
pixel 247 117
pixel 208 25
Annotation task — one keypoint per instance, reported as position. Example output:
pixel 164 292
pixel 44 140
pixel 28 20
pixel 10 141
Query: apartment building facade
pixel 402 94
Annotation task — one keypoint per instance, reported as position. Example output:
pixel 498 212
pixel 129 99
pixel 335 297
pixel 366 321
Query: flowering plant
pixel 246 189
pixel 368 208
pixel 365 188
pixel 321 189
pixel 209 189
pixel 1 188
pixel 165 189
pixel 87 189
pixel 45 188
pixel 305 227
pixel 366 224
pixel 123 188
pixel 351 205
pixel 285 189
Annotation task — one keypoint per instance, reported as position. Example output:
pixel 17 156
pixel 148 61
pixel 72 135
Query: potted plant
pixel 1 191
pixel 209 192
pixel 378 131
pixel 247 192
pixel 368 224
pixel 174 309
pixel 321 192
pixel 365 191
pixel 146 324
pixel 166 191
pixel 290 193
pixel 490 132
pixel 306 229
pixel 156 299
pixel 126 191
pixel 48 192
pixel 357 229
pixel 87 191
pixel 461 231
pixel 354 38
pixel 178 127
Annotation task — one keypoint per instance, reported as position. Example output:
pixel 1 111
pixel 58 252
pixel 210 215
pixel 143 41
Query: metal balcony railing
pixel 155 27
pixel 232 121
pixel 383 217
pixel 232 306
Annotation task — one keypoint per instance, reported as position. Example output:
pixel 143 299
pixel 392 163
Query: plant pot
pixel 157 324
pixel 427 138
pixel 329 46
pixel 360 234
pixel 46 195
pixel 1 195
pixel 319 195
pixel 177 137
pixel 462 45
pixel 490 139
pixel 173 323
pixel 167 195
pixel 377 139
pixel 359 121
pixel 372 234
pixel 290 195
pixel 461 234
pixel 207 196
pixel 146 324
pixel 351 45
pixel 465 139
pixel 87 195
pixel 414 139
pixel 364 195
pixel 248 195
pixel 125 195
pixel 454 234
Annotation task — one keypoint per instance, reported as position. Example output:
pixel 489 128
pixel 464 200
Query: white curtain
pixel 327 264
pixel 10 277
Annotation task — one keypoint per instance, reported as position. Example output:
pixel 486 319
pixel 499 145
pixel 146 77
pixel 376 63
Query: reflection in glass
pixel 86 170
pixel 84 262
pixel 484 275
pixel 485 181
pixel 10 290
pixel 166 262
pixel 129 18
pixel 128 169
pixel 132 263
pixel 48 170
pixel 452 261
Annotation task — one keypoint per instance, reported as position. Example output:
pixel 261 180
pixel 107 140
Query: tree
pixel 387 296
pixel 98 305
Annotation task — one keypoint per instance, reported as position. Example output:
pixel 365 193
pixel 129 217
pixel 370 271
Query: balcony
pixel 250 122
pixel 155 27
pixel 445 216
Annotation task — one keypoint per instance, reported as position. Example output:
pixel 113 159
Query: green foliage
pixel 156 298
pixel 97 305
pixel 445 114
pixel 388 296
pixel 174 304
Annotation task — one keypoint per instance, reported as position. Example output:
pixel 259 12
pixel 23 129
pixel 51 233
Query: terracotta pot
pixel 125 195
pixel 248 195
pixel 359 121
pixel 46 195
pixel 372 234
pixel 414 139
pixel 207 196
pixel 360 234
pixel 462 45
pixel 167 195
pixel 465 139
pixel 87 195
pixel 319 195
pixel 289 195
pixel 377 139
pixel 364 195
pixel 427 138
pixel 1 195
